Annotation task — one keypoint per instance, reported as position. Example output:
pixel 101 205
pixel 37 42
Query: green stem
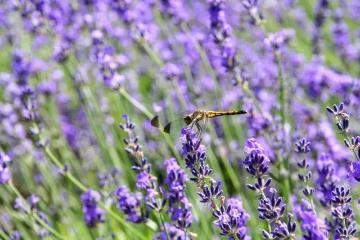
pixel 136 103
pixel 4 235
pixel 152 54
pixel 67 173
pixel 282 97
pixel 348 138
pixel 162 223
pixel 33 214
pixel 284 163
pixel 83 188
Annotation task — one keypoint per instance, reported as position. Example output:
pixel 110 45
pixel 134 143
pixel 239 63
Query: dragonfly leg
pixel 199 130
pixel 191 125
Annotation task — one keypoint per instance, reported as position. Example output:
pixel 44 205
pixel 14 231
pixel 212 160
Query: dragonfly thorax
pixel 195 116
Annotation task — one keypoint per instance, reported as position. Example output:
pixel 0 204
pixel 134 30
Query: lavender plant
pixel 69 70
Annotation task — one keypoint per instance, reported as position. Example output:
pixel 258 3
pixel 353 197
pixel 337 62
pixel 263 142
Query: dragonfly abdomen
pixel 212 114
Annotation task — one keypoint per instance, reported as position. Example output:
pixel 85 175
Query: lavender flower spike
pixel 344 223
pixel 93 215
pixel 230 216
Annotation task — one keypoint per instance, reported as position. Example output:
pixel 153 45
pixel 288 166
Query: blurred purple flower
pixel 172 232
pixel 312 227
pixel 221 33
pixel 252 9
pixel 326 180
pixel 15 235
pixel 279 39
pixel 129 204
pixel 179 205
pixel 93 215
pixel 33 201
pixel 321 9
pixel 175 10
pixel 316 77
pixel 355 170
pixel 5 174
pixel 172 72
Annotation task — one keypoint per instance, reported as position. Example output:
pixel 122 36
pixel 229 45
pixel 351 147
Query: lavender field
pixel 108 127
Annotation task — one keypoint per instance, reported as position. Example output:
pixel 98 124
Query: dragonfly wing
pixel 155 121
pixel 167 127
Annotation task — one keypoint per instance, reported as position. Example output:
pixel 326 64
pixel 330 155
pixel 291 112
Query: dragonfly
pixel 194 119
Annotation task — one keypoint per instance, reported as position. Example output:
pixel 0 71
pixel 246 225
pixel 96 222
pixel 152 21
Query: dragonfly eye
pixel 187 120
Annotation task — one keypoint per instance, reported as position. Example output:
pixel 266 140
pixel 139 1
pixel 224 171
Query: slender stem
pixel 67 173
pixel 33 214
pixel 135 103
pixel 284 163
pixel 312 204
pixel 4 235
pixel 162 223
pixel 152 54
pixel 348 138
pixel 83 188
pixel 282 96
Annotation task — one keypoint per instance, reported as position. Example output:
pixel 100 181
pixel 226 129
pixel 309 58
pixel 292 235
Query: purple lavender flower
pixel 20 68
pixel 354 145
pixel 15 235
pixel 279 39
pixel 93 215
pixel 316 77
pixel 312 227
pixel 5 174
pixel 341 38
pixel 355 170
pixel 129 204
pixel 252 8
pixel 33 201
pixel 230 217
pixel 271 206
pixel 108 62
pixel 302 146
pixel 344 223
pixel 304 175
pixel 145 180
pixel 341 117
pixel 179 205
pixel 124 10
pixel 221 33
pixel 171 72
pixel 175 10
pixel 284 230
pixel 320 15
pixel 172 232
pixel 326 180
pixel 256 162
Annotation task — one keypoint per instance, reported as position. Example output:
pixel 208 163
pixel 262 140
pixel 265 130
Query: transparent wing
pixel 168 126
